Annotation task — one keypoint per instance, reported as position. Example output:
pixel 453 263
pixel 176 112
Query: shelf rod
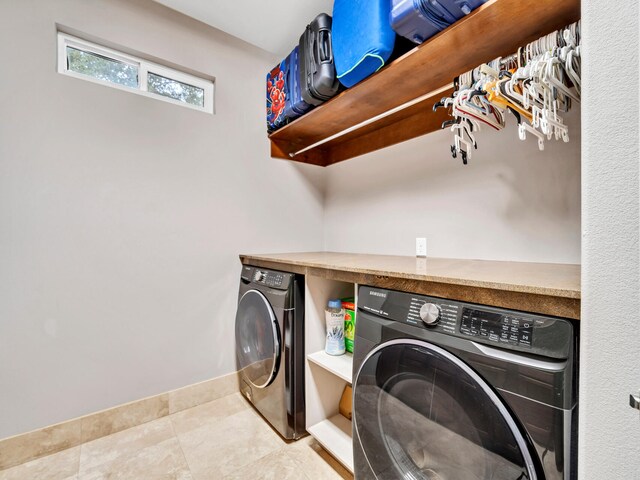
pixel 374 119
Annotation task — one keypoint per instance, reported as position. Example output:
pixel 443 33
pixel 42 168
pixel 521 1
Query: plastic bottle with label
pixel 334 317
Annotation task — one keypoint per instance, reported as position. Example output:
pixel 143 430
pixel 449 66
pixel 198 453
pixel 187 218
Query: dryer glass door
pixel 257 339
pixel 420 413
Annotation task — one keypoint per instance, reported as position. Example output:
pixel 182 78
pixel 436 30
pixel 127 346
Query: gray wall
pixel 610 445
pixel 511 202
pixel 121 217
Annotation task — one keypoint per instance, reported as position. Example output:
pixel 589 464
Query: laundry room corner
pixel 319 240
pixel 126 215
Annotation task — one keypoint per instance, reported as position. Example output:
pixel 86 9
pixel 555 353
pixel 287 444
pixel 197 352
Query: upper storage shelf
pixel 495 29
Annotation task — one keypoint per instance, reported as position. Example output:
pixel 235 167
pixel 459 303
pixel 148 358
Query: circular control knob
pixel 430 313
pixel 259 276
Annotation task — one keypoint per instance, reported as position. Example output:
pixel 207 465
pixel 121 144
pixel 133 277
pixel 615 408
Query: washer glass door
pixel 420 413
pixel 257 339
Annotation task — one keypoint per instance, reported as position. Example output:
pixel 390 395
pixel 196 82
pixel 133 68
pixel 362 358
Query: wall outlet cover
pixel 421 247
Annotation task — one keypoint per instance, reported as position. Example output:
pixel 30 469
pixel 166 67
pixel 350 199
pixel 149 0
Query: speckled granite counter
pixel 546 288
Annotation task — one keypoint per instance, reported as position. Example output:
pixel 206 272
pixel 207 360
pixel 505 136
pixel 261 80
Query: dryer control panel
pixel 268 278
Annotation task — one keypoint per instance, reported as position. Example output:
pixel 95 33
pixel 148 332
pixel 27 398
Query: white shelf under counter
pixel 339 365
pixel 334 434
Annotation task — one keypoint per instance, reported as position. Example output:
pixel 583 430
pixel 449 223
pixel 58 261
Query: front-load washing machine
pixel 446 390
pixel 270 346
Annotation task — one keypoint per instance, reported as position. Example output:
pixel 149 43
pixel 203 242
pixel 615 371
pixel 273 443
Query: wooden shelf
pixel 495 29
pixel 339 365
pixel 334 434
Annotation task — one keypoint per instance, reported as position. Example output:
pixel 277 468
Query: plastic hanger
pixel 536 84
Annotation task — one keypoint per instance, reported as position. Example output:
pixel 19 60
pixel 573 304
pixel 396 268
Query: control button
pixel 430 313
pixel 525 338
pixel 259 276
pixel 525 335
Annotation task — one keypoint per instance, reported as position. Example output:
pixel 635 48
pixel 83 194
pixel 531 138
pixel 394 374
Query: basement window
pixel 89 61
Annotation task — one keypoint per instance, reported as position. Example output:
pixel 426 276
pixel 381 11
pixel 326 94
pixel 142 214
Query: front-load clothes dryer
pixel 270 346
pixel 446 390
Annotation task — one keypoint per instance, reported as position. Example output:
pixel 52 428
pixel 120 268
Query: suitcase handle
pixel 434 13
pixel 310 53
pixel 323 51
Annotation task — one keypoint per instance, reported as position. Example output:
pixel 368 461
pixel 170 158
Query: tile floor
pixel 223 439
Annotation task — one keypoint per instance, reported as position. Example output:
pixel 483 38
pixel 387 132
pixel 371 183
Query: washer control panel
pixel 499 328
pixel 268 278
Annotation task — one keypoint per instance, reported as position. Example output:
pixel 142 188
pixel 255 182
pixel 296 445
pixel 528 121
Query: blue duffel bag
pixel 362 39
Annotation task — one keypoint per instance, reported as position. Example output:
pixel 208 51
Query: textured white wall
pixel 609 429
pixel 121 217
pixel 511 202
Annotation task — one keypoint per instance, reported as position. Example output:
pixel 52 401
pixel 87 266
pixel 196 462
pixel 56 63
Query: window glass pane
pixel 102 68
pixel 182 92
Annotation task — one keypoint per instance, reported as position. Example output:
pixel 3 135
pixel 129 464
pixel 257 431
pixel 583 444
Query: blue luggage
pixel 277 96
pixel 419 20
pixel 459 8
pixel 284 98
pixel 362 38
pixel 295 105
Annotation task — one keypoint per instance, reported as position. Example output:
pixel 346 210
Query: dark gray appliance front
pixel 269 331
pixel 480 394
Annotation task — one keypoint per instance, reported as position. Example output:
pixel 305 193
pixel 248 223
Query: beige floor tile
pixel 194 395
pixel 39 443
pixel 150 451
pixel 226 385
pixel 212 412
pixel 315 461
pixel 222 446
pixel 191 396
pixel 120 418
pixel 59 466
pixel 223 439
pixel 275 466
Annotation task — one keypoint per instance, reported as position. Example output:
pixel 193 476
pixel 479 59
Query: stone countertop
pixel 499 283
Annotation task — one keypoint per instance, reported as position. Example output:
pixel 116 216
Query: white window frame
pixel 143 66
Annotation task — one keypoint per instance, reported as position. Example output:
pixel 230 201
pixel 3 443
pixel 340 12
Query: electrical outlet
pixel 421 247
